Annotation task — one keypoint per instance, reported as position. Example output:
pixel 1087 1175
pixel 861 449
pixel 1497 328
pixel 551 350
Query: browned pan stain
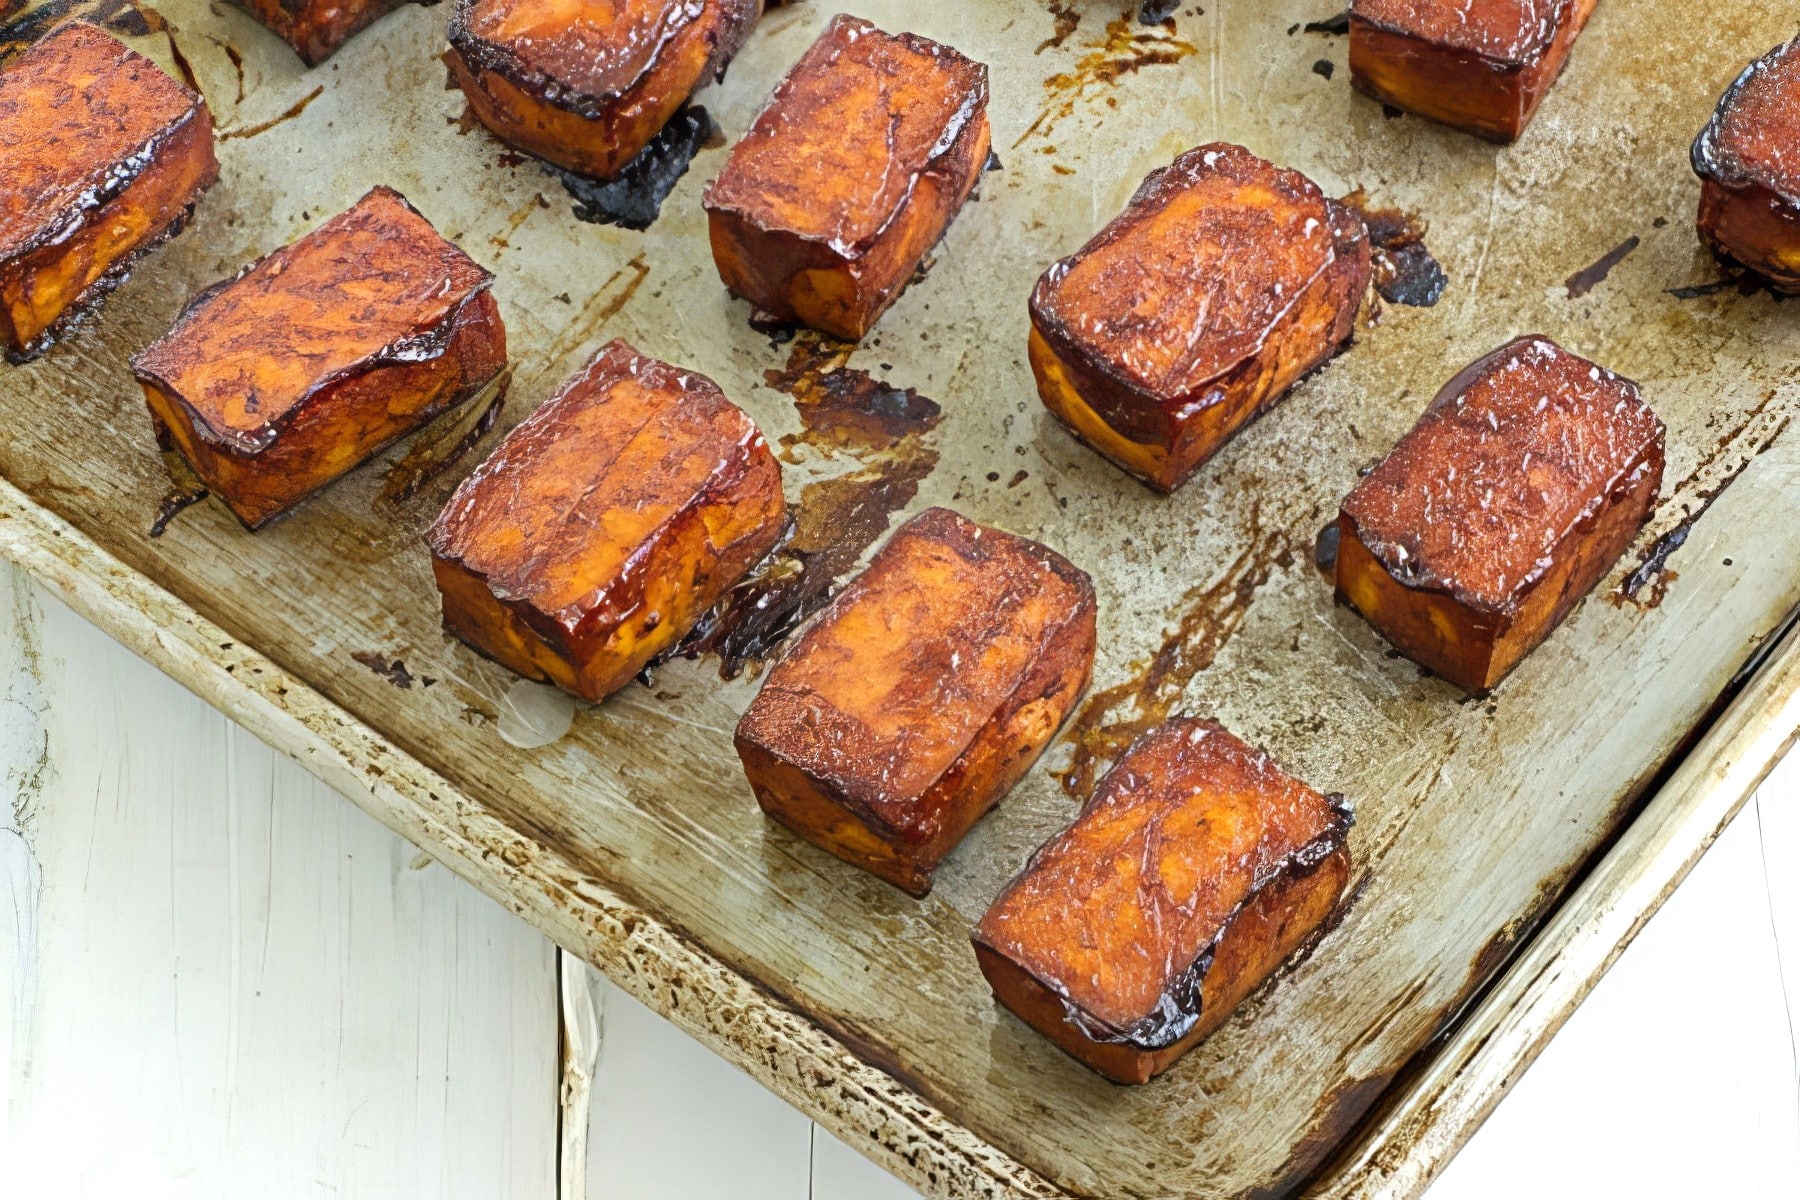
pixel 392 670
pixel 1067 18
pixel 1332 1120
pixel 1125 49
pixel 115 16
pixel 1406 272
pixel 1112 718
pixel 293 110
pixel 843 408
pixel 1594 274
pixel 442 445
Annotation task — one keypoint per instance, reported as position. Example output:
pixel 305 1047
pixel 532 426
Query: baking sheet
pixel 1472 815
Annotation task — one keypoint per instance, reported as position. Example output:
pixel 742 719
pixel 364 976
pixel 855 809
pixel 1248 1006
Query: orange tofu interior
pixel 606 524
pixel 850 174
pixel 276 382
pixel 1224 280
pixel 1482 66
pixel 920 695
pixel 102 156
pixel 1197 867
pixel 316 28
pixel 1750 172
pixel 1511 498
pixel 587 85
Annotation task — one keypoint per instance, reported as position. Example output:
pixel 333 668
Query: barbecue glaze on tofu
pixel 1749 168
pixel 606 524
pixel 102 157
pixel 276 382
pixel 921 695
pixel 317 28
pixel 1197 868
pixel 1482 66
pixel 852 172
pixel 1225 279
pixel 1517 490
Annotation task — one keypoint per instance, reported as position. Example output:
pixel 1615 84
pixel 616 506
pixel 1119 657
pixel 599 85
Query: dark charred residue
pixel 1324 68
pixel 1068 19
pixel 1333 1119
pixel 115 16
pixel 1114 717
pixel 1325 549
pixel 993 163
pixel 1156 12
pixel 237 64
pixel 1594 274
pixel 293 110
pixel 443 445
pixel 634 197
pixel 1336 26
pixel 394 671
pixel 1125 49
pixel 836 520
pixel 183 65
pixel 1739 278
pixel 174 502
pixel 1406 272
pixel 1694 291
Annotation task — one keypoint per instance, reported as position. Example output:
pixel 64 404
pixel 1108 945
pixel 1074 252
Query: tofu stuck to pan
pixel 1482 66
pixel 585 85
pixel 1748 160
pixel 317 28
pixel 1197 868
pixel 852 172
pixel 1225 279
pixel 606 524
pixel 102 157
pixel 1526 478
pixel 917 699
pixel 276 382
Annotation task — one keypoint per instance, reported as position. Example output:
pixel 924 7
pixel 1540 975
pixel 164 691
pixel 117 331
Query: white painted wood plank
pixel 670 1120
pixel 239 982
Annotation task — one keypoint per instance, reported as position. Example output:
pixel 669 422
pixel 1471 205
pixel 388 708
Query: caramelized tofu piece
pixel 587 85
pixel 312 359
pixel 851 173
pixel 1750 170
pixel 1480 65
pixel 606 524
pixel 102 156
pixel 316 28
pixel 1224 280
pixel 920 695
pixel 1196 869
pixel 1524 481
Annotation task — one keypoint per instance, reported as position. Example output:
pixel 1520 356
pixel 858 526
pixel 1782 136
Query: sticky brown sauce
pixel 843 410
pixel 115 16
pixel 1126 48
pixel 1114 717
pixel 1406 272
pixel 634 197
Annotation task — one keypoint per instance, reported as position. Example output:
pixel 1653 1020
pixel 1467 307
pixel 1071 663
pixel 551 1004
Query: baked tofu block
pixel 1524 481
pixel 1749 170
pixel 316 28
pixel 606 524
pixel 852 172
pixel 919 697
pixel 1196 869
pixel 311 360
pixel 587 85
pixel 1224 280
pixel 1480 65
pixel 102 156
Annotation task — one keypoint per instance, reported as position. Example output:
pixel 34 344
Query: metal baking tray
pixel 1505 848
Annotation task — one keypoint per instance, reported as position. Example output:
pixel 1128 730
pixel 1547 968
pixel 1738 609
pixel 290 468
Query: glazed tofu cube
pixel 1224 280
pixel 1524 481
pixel 102 157
pixel 606 524
pixel 586 85
pixel 311 360
pixel 1197 867
pixel 920 695
pixel 316 28
pixel 1482 66
pixel 1750 172
pixel 851 173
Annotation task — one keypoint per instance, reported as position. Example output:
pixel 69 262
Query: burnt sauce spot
pixel 1336 26
pixel 1114 717
pixel 1067 18
pixel 634 197
pixel 443 445
pixel 394 671
pixel 290 113
pixel 1594 274
pixel 835 521
pixel 1406 272
pixel 1125 49
pixel 174 502
pixel 1325 549
pixel 1324 68
pixel 1155 12
pixel 122 17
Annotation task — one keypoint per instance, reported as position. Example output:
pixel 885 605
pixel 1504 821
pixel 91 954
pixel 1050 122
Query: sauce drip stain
pixel 843 408
pixel 185 491
pixel 1125 49
pixel 443 445
pixel 1068 20
pixel 394 671
pixel 1594 274
pixel 1406 272
pixel 1111 719
pixel 634 197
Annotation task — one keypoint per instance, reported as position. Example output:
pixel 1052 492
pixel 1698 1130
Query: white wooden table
pixel 218 978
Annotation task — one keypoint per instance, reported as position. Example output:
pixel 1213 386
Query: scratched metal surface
pixel 1472 815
